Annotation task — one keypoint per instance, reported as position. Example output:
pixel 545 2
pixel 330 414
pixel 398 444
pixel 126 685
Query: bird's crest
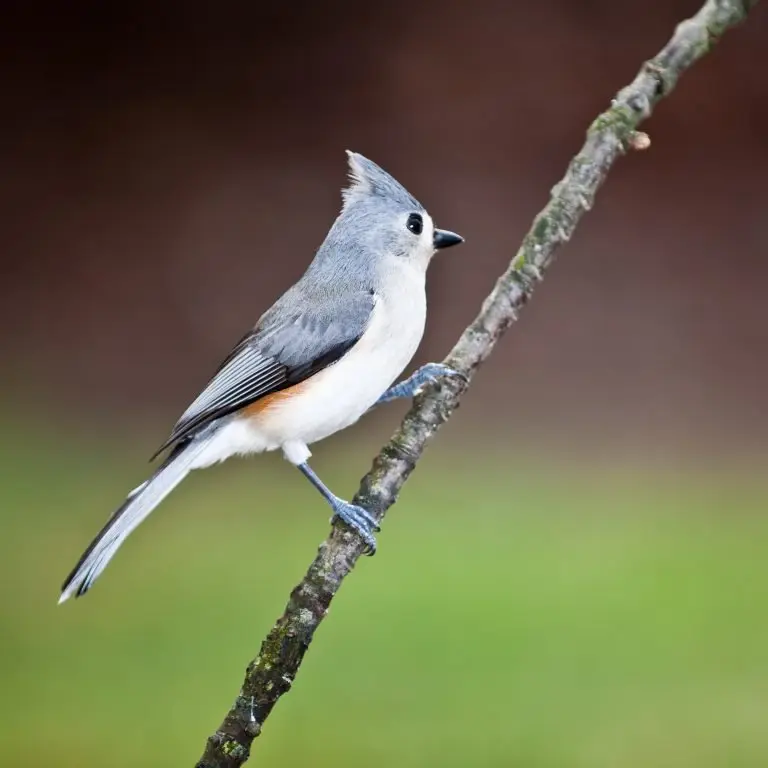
pixel 367 180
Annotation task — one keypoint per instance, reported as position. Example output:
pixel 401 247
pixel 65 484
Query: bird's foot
pixel 416 382
pixel 432 372
pixel 359 519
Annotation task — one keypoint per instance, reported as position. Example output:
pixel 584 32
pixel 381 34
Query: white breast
pixel 339 395
pixel 343 392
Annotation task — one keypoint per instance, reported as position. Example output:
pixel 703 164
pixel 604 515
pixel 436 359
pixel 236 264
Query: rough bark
pixel 274 669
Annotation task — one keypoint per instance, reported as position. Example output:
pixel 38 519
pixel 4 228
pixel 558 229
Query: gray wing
pixel 293 341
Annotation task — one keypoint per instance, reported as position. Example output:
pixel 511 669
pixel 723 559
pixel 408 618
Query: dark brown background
pixel 167 170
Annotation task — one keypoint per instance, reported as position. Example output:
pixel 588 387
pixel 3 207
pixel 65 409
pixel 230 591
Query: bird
pixel 326 352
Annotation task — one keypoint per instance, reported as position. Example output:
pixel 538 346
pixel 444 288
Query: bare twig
pixel 272 672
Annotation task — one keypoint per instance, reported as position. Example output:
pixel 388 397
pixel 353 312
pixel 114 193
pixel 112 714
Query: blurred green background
pixel 576 574
pixel 516 615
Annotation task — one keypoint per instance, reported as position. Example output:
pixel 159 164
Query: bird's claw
pixel 434 371
pixel 360 520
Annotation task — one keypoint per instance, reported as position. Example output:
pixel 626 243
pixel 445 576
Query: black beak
pixel 445 239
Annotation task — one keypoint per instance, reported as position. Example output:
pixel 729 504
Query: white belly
pixel 339 395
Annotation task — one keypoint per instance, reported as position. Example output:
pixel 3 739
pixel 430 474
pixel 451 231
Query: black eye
pixel 415 223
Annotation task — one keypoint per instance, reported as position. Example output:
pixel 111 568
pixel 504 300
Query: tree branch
pixel 273 671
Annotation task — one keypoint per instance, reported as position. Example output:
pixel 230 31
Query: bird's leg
pixel 417 381
pixel 355 517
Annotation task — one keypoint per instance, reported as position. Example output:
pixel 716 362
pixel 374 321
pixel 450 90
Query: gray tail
pixel 139 504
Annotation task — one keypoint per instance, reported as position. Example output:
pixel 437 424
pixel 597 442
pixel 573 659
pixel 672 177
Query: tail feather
pixel 139 504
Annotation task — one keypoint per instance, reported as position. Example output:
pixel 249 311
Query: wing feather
pixel 285 348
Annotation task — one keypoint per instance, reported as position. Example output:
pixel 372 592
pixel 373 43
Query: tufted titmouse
pixel 327 351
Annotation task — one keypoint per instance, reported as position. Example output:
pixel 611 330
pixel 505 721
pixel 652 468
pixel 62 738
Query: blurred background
pixel 576 574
